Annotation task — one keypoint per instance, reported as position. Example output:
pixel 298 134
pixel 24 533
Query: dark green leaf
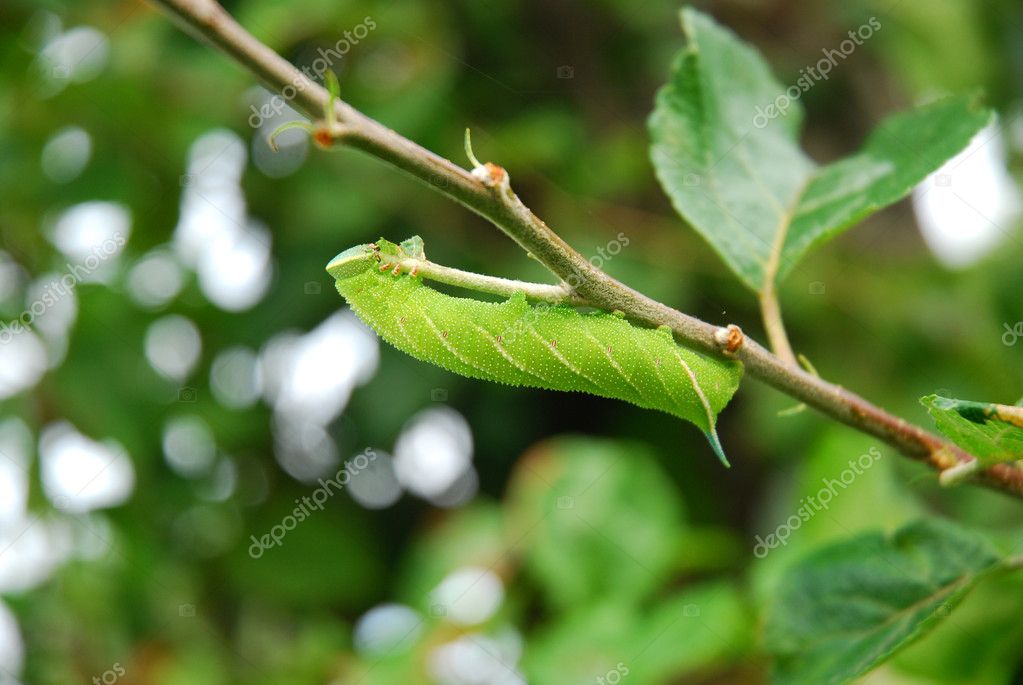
pixel 850 606
pixel 731 162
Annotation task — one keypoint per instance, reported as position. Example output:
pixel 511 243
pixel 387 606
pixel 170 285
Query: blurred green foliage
pixel 624 547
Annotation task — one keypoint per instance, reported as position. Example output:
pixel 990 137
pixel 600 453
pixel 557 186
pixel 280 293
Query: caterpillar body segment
pixel 554 347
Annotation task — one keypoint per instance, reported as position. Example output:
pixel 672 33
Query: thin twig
pixel 506 287
pixel 508 213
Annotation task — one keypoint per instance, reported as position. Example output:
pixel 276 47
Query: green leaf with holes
pixel 725 147
pixel 850 606
pixel 991 432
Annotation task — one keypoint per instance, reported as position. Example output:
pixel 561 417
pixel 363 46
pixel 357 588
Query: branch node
pixel 326 134
pixel 958 473
pixel 730 338
pixel 493 176
pixel 490 175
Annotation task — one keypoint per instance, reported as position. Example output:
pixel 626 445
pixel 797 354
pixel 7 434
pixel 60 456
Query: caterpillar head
pixel 358 259
pixel 353 261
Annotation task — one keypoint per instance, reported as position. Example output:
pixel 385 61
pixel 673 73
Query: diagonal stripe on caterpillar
pixel 514 342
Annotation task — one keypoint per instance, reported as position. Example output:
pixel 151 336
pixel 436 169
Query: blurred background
pixel 181 387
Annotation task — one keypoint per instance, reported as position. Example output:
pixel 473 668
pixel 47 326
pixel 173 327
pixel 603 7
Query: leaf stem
pixel 774 326
pixel 509 214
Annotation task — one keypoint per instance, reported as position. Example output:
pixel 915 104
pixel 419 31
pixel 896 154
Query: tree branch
pixel 210 21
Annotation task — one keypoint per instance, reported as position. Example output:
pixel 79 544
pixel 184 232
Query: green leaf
pixel 694 630
pixel 980 647
pixel 598 519
pixel 850 606
pixel 697 628
pixel 735 171
pixel 991 432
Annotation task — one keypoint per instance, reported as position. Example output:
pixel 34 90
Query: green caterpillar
pixel 554 347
